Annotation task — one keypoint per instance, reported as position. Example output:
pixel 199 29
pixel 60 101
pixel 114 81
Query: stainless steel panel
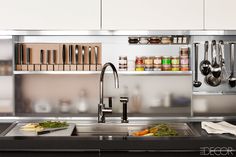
pixel 16 131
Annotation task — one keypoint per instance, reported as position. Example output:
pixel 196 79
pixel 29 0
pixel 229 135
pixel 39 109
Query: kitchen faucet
pixel 101 106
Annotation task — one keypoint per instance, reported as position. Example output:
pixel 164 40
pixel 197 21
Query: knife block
pixel 50 67
pixel 73 67
pixel 56 67
pixel 93 68
pixel 66 67
pixel 99 67
pixel 18 67
pixel 37 67
pixel 31 67
pixel 86 67
pixel 80 67
pixel 44 67
pixel 60 67
pixel 24 67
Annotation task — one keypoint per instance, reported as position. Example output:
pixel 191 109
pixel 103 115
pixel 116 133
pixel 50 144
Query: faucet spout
pixel 116 78
pixel 101 106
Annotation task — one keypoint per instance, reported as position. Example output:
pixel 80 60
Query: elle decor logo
pixel 217 151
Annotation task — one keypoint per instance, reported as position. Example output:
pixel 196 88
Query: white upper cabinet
pixel 220 14
pixel 50 14
pixel 152 14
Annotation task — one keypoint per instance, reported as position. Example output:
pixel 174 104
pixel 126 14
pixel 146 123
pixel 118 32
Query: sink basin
pixel 124 130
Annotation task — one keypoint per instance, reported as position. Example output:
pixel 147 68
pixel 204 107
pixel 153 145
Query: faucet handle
pixel 110 102
pixel 124 99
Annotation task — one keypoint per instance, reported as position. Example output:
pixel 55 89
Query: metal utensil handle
pixel 206 46
pixel 96 55
pixel 222 53
pixel 232 58
pixel 196 60
pixel 213 52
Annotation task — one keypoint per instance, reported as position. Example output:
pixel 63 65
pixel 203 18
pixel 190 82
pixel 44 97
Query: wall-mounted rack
pixel 108 72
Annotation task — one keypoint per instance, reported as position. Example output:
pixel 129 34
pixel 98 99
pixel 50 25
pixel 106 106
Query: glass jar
pixel 184 51
pixel 175 68
pixel 133 40
pixel 123 63
pixel 180 40
pixel 148 60
pixel 166 40
pixel 184 67
pixel 157 67
pixel 154 40
pixel 175 40
pixel 157 60
pixel 143 40
pixel 139 63
pixel 166 60
pixel 185 40
pixel 184 60
pixel 166 67
pixel 175 60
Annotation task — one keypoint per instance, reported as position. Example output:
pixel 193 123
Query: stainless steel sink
pixel 119 129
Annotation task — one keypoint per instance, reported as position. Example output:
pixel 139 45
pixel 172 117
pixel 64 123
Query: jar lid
pixel 175 57
pixel 165 56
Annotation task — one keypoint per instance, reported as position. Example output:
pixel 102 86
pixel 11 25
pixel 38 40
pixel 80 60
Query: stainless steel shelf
pixel 109 72
pixel 114 32
pixel 214 93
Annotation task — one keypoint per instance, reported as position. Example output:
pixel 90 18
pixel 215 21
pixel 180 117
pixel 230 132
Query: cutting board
pixel 16 131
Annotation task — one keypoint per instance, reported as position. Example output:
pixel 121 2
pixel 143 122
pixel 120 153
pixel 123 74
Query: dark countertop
pixel 117 143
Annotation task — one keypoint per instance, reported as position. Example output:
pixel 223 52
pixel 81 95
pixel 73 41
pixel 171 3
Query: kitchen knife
pixel 17 56
pixel 76 54
pixel 28 51
pixel 46 131
pixel 83 49
pixel 70 54
pixel 48 57
pixel 54 54
pixel 96 55
pixel 89 55
pixel 41 56
pixel 21 53
pixel 64 54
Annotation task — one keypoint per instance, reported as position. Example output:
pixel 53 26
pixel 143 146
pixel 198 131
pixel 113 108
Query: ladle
pixel 196 83
pixel 205 65
pixel 232 79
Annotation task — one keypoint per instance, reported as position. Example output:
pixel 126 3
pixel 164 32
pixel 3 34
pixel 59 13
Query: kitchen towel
pixel 219 127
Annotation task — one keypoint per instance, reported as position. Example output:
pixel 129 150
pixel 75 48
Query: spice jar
pixel 184 60
pixel 123 63
pixel 154 40
pixel 157 60
pixel 175 60
pixel 148 61
pixel 180 40
pixel 139 63
pixel 175 68
pixel 166 40
pixel 175 40
pixel 184 67
pixel 143 40
pixel 185 40
pixel 166 60
pixel 166 67
pixel 157 67
pixel 184 51
pixel 133 40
